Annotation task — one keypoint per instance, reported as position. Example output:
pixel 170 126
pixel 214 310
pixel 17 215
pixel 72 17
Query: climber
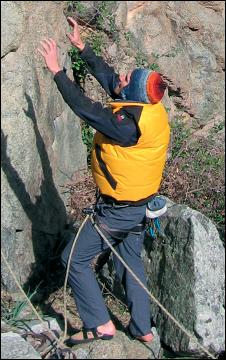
pixel 128 158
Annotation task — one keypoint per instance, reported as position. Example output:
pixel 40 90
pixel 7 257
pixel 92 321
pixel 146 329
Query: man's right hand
pixel 74 37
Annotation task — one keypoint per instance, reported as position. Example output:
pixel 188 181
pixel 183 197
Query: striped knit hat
pixel 145 86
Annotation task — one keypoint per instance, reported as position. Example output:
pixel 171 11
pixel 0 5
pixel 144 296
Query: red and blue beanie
pixel 145 86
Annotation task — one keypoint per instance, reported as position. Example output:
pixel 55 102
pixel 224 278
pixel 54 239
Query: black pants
pixel 86 291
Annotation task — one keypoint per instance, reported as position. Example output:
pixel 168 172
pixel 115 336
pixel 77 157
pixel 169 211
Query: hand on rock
pixel 74 37
pixel 49 53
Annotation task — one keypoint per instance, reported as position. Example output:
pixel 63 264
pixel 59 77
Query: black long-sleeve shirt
pixel 121 126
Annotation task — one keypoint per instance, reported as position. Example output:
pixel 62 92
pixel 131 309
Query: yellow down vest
pixel 133 173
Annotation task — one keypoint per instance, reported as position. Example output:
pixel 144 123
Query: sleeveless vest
pixel 133 173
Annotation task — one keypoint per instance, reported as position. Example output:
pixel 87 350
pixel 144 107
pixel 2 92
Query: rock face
pixel 41 137
pixel 187 41
pixel 185 269
pixel 18 349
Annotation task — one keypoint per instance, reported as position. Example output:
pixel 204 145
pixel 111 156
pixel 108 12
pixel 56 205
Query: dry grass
pixel 82 194
pixel 194 174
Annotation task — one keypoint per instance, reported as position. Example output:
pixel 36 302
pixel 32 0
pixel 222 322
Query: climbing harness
pixel 153 214
pixel 118 234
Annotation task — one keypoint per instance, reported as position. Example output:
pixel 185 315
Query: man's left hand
pixel 49 53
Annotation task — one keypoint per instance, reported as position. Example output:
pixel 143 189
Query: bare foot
pixel 80 335
pixel 107 328
pixel 146 338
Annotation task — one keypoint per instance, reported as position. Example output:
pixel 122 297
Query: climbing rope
pixel 66 279
pixel 62 339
